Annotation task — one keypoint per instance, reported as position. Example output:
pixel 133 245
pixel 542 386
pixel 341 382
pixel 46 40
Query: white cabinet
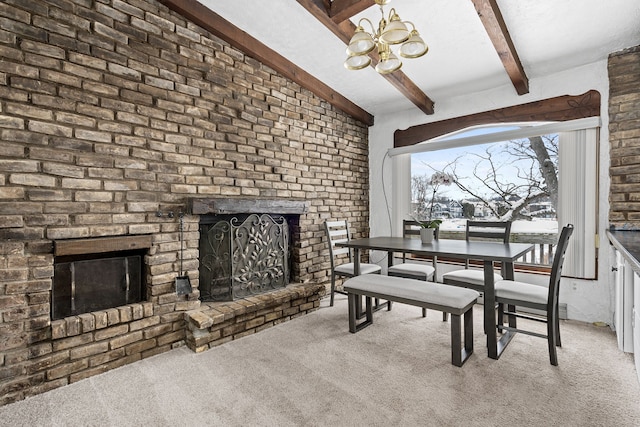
pixel 624 316
pixel 626 281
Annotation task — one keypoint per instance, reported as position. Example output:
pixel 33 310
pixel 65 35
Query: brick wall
pixel 624 138
pixel 113 110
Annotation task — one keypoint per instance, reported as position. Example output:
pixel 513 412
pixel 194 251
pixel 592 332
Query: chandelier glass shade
pixel 391 31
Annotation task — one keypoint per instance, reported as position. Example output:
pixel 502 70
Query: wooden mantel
pixel 204 206
pixel 100 245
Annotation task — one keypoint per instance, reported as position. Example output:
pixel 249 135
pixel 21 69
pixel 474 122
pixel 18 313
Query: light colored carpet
pixel 312 372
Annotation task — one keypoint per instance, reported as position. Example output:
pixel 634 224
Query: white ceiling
pixel 549 36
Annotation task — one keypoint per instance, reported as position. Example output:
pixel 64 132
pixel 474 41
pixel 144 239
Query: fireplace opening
pixel 243 255
pixel 92 283
pixel 97 274
pixel 247 246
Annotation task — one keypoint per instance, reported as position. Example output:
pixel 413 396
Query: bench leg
pixel 460 355
pixel 468 332
pixel 351 301
pixel 378 306
pixel 370 310
pixel 353 315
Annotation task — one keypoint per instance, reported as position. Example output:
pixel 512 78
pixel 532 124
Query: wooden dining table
pixel 487 252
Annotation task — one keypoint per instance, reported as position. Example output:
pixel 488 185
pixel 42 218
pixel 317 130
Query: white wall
pixel 587 300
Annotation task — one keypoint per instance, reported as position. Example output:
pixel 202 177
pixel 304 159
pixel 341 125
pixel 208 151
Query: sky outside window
pixel 467 160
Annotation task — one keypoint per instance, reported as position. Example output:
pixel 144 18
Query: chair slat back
pixel 337 232
pixel 340 251
pixel 411 230
pixel 558 261
pixel 488 231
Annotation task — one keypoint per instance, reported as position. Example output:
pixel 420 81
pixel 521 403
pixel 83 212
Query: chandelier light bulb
pixel 389 62
pixel 391 31
pixel 395 32
pixel 415 47
pixel 361 43
pixel 357 62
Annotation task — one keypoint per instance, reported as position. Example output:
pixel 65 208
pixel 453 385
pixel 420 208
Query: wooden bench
pixel 448 299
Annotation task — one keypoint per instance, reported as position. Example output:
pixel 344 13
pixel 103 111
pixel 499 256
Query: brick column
pixel 624 138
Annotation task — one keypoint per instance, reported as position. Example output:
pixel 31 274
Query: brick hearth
pixel 215 323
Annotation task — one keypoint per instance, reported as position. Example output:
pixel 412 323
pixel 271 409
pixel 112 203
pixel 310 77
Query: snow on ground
pixel 543 226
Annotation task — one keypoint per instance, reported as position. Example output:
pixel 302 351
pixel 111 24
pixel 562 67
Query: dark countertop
pixel 628 243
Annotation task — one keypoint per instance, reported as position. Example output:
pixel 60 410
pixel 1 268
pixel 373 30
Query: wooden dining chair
pixel 472 278
pixel 413 270
pixel 519 294
pixel 338 232
pixel 499 231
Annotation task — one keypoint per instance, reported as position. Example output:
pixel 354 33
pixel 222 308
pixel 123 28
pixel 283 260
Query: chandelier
pixel 391 31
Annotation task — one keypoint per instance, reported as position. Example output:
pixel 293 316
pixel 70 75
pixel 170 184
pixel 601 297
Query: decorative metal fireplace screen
pixel 243 256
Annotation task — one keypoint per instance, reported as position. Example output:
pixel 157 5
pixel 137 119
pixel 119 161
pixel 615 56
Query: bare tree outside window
pixel 517 180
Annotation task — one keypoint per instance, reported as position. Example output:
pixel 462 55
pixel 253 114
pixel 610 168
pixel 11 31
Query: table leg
pixel 510 275
pixel 356 272
pixel 389 264
pixel 489 310
pixel 356 261
pixel 508 271
pixel 495 347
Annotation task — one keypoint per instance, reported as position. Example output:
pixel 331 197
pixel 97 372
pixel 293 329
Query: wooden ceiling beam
pixel 341 10
pixel 218 26
pixel 344 30
pixel 493 22
pixel 560 109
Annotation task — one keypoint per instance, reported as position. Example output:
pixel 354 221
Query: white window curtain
pixel 578 199
pixel 401 194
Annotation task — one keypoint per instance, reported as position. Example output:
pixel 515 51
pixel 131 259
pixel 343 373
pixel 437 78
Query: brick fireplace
pixel 117 116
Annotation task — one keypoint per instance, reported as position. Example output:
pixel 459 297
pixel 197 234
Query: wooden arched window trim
pixel 559 109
